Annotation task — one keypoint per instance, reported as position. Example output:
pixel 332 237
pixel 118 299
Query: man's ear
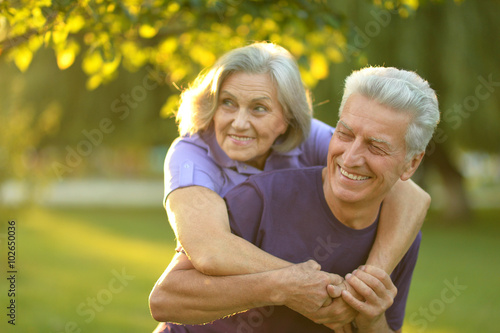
pixel 412 166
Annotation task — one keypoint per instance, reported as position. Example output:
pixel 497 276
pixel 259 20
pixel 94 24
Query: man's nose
pixel 241 119
pixel 354 154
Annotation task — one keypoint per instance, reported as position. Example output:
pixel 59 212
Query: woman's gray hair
pixel 403 91
pixel 199 101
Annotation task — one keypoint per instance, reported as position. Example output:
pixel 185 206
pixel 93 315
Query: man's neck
pixel 355 215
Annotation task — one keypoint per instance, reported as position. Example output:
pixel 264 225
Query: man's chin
pixel 349 196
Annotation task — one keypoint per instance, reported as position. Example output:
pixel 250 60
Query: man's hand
pixel 338 315
pixel 375 286
pixel 305 286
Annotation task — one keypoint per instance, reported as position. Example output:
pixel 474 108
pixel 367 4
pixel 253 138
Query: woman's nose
pixel 241 121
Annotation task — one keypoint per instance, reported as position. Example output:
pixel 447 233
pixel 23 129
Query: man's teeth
pixel 241 138
pixel 351 176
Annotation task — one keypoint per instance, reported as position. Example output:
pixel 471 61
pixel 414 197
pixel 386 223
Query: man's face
pixel 367 152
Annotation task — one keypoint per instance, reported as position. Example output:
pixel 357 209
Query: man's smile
pixel 352 176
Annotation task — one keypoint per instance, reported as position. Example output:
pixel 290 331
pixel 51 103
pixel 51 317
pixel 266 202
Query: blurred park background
pixel 87 91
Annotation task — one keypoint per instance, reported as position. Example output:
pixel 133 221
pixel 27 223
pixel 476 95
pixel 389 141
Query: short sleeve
pixel 401 277
pixel 188 164
pixel 245 207
pixel 316 145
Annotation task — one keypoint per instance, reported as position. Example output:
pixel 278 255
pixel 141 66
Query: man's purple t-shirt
pixel 285 213
pixel 199 160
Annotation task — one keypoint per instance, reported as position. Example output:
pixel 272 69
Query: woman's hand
pixel 305 287
pixel 337 315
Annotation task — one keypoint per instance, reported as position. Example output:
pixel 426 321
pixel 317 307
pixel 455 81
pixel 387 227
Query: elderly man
pixel 387 117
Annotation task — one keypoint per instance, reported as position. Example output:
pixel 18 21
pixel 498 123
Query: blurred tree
pixel 462 65
pixel 155 46
pixel 165 33
pixel 448 45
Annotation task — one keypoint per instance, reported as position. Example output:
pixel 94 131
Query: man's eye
pixel 377 150
pixel 343 135
pixel 227 102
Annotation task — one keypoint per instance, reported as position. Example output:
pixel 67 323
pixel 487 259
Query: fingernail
pixel 363 267
pixel 348 276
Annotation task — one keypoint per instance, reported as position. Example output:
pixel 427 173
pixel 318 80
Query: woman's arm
pixel 200 220
pixel 184 295
pixel 402 216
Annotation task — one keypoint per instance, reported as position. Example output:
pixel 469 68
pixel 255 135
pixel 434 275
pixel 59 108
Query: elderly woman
pixel 250 113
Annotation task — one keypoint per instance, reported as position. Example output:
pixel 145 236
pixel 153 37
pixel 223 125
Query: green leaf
pixel 22 57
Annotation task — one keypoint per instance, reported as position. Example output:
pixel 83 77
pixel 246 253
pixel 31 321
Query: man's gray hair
pixel 199 101
pixel 401 90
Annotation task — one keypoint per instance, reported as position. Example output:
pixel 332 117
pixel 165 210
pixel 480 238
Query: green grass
pixel 466 255
pixel 68 258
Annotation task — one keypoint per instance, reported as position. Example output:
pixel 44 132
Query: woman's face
pixel 248 118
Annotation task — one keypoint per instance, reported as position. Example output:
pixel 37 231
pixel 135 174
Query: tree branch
pixel 9 43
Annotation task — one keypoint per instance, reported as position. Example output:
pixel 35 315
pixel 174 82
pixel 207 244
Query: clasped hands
pixel 361 298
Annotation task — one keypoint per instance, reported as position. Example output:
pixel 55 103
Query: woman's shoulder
pixel 189 148
pixel 189 144
pixel 320 132
pixel 318 127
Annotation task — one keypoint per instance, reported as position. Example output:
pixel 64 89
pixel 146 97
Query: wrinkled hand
pixel 375 286
pixel 338 315
pixel 306 286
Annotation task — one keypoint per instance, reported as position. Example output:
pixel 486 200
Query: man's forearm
pixel 402 216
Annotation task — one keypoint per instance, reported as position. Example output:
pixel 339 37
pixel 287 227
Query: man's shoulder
pixel 281 184
pixel 292 175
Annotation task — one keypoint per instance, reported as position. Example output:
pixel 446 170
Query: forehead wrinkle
pixel 224 91
pixel 227 92
pixel 260 98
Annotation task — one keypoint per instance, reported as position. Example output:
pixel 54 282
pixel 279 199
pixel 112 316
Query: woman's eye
pixel 227 102
pixel 260 108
